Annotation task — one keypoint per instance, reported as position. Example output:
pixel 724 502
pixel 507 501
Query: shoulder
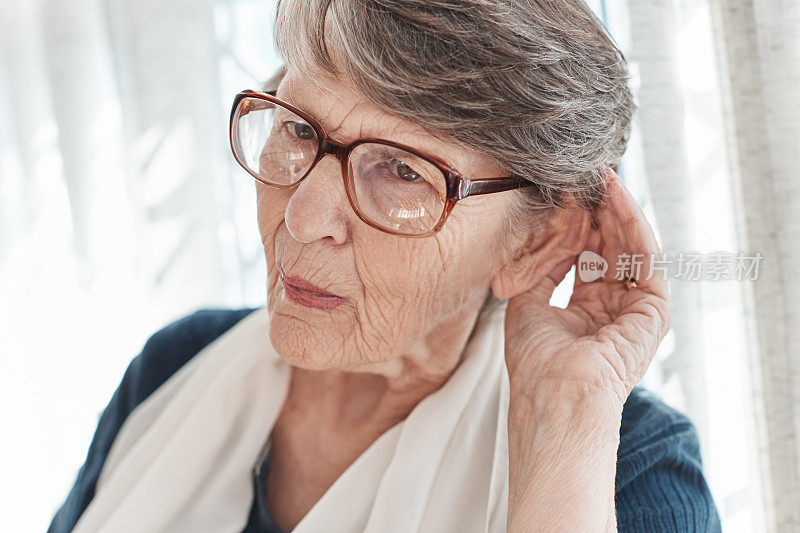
pixel 171 347
pixel 163 354
pixel 660 484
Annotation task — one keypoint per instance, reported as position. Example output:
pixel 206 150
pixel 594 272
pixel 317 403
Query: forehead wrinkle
pixel 400 130
pixel 340 126
pixel 309 104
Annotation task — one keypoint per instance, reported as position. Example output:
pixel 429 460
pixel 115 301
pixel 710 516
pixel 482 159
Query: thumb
pixel 534 304
pixel 543 291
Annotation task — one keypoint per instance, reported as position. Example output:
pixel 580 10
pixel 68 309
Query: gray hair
pixel 536 84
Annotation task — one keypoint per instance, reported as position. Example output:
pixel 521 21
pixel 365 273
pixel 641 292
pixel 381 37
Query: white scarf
pixel 183 459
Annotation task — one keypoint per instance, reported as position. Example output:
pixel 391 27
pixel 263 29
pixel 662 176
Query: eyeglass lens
pixel 391 187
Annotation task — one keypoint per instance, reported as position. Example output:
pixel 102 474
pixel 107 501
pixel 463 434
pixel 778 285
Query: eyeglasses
pixel 392 187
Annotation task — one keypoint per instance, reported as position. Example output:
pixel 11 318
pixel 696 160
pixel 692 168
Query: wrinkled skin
pixel 397 289
pixel 362 367
pixel 572 369
pixel 607 336
pixel 408 299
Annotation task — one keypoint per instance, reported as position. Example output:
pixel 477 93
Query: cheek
pixel 412 284
pixel 401 288
pixel 271 207
pixel 398 281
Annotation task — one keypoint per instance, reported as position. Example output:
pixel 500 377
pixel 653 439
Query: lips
pixel 306 293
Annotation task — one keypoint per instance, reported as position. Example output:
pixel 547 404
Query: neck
pixel 331 417
pixel 379 395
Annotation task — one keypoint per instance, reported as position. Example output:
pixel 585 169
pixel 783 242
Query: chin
pixel 301 346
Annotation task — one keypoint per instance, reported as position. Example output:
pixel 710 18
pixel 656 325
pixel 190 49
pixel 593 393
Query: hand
pixel 606 337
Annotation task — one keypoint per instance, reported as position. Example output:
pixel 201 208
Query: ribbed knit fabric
pixel 659 483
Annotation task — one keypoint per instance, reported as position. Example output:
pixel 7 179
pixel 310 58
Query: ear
pixel 562 239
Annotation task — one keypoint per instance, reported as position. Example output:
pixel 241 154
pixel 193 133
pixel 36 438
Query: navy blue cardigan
pixel 659 481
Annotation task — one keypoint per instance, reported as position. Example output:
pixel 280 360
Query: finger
pixel 536 301
pixel 544 290
pixel 593 244
pixel 634 229
pixel 637 332
pixel 624 229
pixel 643 318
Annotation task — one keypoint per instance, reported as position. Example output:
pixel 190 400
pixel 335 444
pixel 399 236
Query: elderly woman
pixel 427 173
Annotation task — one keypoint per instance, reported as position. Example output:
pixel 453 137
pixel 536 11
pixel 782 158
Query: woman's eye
pixel 403 171
pixel 301 130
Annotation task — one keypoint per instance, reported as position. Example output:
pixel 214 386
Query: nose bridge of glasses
pixel 338 150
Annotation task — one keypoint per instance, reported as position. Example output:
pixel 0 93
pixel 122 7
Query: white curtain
pixel 759 59
pixel 121 209
pixel 716 141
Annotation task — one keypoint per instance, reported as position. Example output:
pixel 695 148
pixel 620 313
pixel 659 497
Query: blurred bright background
pixel 121 210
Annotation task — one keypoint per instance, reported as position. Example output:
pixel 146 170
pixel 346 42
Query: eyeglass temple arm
pixel 246 107
pixel 486 186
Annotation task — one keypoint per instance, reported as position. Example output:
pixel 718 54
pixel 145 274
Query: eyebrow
pixel 427 143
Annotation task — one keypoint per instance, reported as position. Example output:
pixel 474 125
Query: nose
pixel 317 208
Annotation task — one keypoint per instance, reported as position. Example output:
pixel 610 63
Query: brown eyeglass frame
pixel 458 186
